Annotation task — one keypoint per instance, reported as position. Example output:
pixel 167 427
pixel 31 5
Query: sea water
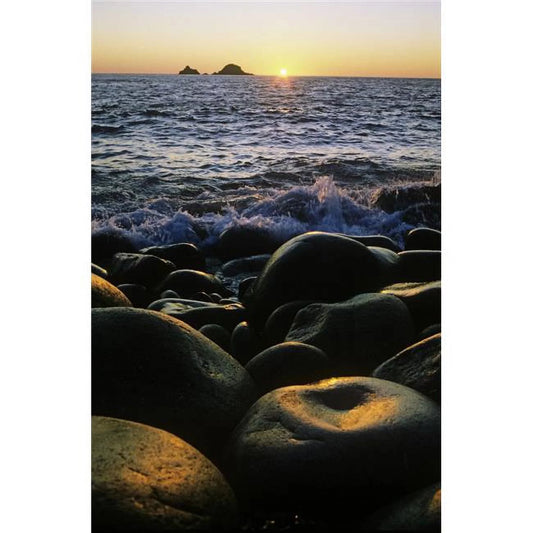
pixel 183 158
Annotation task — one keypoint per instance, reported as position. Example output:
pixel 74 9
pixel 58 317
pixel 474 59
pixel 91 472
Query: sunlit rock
pixel 104 294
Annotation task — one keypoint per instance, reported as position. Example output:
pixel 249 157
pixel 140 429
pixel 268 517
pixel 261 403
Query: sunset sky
pixel 396 38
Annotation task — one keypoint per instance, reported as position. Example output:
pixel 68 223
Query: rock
pixel 255 263
pixel 419 511
pixel 388 264
pixel 244 343
pixel 141 269
pixel 188 70
pixel 103 294
pixel 154 369
pixel 138 295
pixel 145 479
pixel 279 322
pixel 106 243
pixel 288 363
pixel 423 299
pixel 358 334
pixel 243 241
pixel 169 294
pixel 313 266
pixel 202 297
pixel 172 306
pixel 416 265
pixel 244 285
pixel 343 446
pixel 99 271
pixel 219 335
pixel 188 282
pixel 423 239
pixel 232 70
pixel 417 367
pixel 375 240
pixel 402 197
pixel 429 331
pixel 184 255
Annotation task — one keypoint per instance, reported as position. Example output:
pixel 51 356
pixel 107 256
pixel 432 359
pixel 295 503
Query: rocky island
pixel 232 70
pixel 188 70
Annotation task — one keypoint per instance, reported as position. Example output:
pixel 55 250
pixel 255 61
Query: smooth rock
pixel 168 294
pixel 388 264
pixel 145 479
pixel 138 295
pixel 147 270
pixel 418 367
pixel 423 239
pixel 106 243
pixel 184 255
pixel 188 282
pixel 375 240
pixel 358 334
pixel 154 369
pixel 218 335
pixel 416 265
pixel 423 299
pixel 255 263
pixel 288 363
pixel 279 322
pixel 104 294
pixel 245 343
pixel 419 511
pixel 243 241
pixel 99 271
pixel 244 286
pixel 313 266
pixel 227 316
pixel 343 446
pixel 429 331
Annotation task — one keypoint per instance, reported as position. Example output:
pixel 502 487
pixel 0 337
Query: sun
pixel 283 72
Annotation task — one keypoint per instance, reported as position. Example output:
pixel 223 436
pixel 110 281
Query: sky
pixel 396 38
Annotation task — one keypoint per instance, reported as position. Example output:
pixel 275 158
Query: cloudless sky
pixel 394 38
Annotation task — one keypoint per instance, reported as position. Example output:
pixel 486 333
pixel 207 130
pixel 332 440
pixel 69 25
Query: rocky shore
pixel 295 390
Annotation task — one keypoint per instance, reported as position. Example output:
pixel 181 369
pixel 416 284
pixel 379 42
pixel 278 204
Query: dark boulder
pixel 145 479
pixel 99 271
pixel 254 263
pixel 141 269
pixel 400 198
pixel 279 322
pixel 244 285
pixel 184 255
pixel 219 335
pixel 188 282
pixel 419 265
pixel 418 367
pixel 423 239
pixel 106 243
pixel 340 447
pixel 288 363
pixel 376 240
pixel 358 334
pixel 429 331
pixel 104 294
pixel 154 369
pixel 138 295
pixel 243 241
pixel 245 343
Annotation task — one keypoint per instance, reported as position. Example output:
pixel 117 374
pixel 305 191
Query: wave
pixel 283 214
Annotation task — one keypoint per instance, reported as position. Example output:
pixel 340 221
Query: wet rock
pixel 244 286
pixel 423 299
pixel 202 297
pixel 279 322
pixel 338 447
pixel 419 511
pixel 184 255
pixel 418 367
pixel 138 295
pixel 168 294
pixel 104 294
pixel 388 264
pixel 255 263
pixel 219 335
pixel 313 266
pixel 147 270
pixel 99 271
pixel 188 282
pixel 145 479
pixel 288 363
pixel 416 265
pixel 242 241
pixel 154 369
pixel 423 239
pixel 429 331
pixel 174 306
pixel 245 343
pixel 105 244
pixel 376 240
pixel 402 197
pixel 358 334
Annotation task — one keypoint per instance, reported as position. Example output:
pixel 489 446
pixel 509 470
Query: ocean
pixel 184 158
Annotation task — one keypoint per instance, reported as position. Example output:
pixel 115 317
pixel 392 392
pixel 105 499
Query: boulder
pixel 388 264
pixel 244 343
pixel 288 363
pixel 255 263
pixel 279 322
pixel 103 294
pixel 99 271
pixel 418 367
pixel 243 241
pixel 154 369
pixel 419 511
pixel 138 295
pixel 417 265
pixel 188 282
pixel 219 335
pixel 429 331
pixel 244 285
pixel 423 239
pixel 141 269
pixel 358 334
pixel 376 240
pixel 313 266
pixel 106 243
pixel 145 479
pixel 423 299
pixel 184 255
pixel 339 447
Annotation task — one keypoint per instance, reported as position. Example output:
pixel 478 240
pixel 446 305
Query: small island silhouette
pixel 229 70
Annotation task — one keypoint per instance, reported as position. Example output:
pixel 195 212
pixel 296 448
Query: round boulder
pixel 99 271
pixel 244 342
pixel 338 447
pixel 106 243
pixel 188 282
pixel 154 369
pixel 418 367
pixel 183 255
pixel 103 294
pixel 219 335
pixel 145 479
pixel 358 334
pixel 138 295
pixel 423 239
pixel 419 265
pixel 288 363
pixel 147 270
pixel 279 322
